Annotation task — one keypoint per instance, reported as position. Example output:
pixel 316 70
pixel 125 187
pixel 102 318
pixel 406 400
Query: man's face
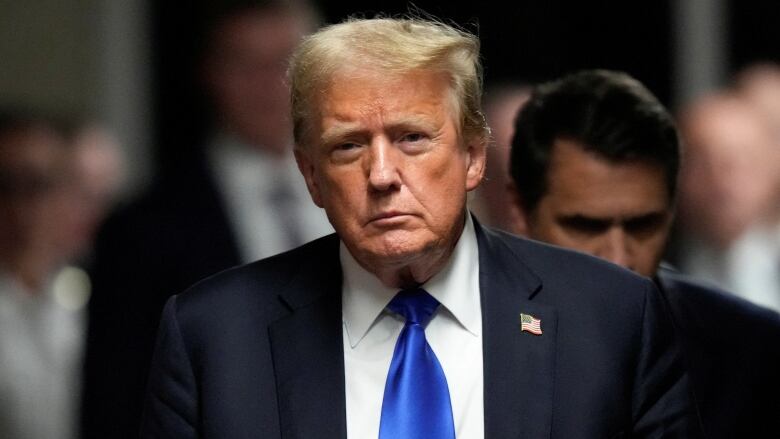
pixel 730 172
pixel 385 159
pixel 620 212
pixel 245 73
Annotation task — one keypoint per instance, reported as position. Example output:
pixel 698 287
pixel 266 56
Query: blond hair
pixel 396 46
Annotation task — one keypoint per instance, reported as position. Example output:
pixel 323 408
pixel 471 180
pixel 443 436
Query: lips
pixel 388 217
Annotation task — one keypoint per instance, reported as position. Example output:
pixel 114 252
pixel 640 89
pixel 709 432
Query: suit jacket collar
pixel 307 346
pixel 518 366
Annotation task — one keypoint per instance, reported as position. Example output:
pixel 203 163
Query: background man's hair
pixel 609 113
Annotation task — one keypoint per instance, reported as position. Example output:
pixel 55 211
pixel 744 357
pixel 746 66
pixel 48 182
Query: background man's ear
pixel 517 215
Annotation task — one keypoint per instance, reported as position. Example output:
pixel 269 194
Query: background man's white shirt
pixel 246 178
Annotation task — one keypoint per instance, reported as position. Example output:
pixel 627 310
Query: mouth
pixel 389 218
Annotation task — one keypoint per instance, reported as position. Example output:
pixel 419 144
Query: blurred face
pixel 246 76
pixel 386 161
pixel 35 213
pixel 491 196
pixel 98 173
pixel 620 212
pixel 729 178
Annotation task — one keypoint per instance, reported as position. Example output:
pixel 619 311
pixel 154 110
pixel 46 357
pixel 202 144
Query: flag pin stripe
pixel 529 323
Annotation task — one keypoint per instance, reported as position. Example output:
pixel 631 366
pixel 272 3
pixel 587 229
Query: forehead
pixel 580 182
pixel 362 96
pixel 374 91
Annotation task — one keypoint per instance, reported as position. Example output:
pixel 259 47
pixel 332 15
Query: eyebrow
pixel 340 131
pixel 346 129
pixel 579 217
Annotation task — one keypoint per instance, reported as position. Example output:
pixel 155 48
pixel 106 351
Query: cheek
pixel 342 191
pixel 442 181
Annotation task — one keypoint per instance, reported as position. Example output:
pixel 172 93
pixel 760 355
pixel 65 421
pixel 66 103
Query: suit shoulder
pixel 575 283
pixel 701 302
pixel 260 282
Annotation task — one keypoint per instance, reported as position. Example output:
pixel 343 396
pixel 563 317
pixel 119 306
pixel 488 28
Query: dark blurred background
pixel 133 63
pixel 677 48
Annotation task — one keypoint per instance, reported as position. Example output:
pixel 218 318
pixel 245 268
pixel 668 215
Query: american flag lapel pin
pixel 530 324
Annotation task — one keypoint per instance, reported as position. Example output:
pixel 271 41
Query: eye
pixel 584 225
pixel 412 137
pixel 414 142
pixel 346 151
pixel 645 225
pixel 347 146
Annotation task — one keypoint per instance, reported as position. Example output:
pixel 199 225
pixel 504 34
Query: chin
pixel 398 247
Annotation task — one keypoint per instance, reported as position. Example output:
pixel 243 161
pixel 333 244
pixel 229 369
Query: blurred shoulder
pixel 699 302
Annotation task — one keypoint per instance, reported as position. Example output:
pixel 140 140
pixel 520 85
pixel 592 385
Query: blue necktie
pixel 416 402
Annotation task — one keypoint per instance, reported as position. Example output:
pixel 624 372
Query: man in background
pixel 594 165
pixel 236 199
pixel 729 204
pixel 56 182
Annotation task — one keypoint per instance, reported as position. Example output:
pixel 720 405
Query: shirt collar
pixel 456 287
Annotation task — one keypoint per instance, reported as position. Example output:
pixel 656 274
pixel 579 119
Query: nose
pixel 383 171
pixel 615 248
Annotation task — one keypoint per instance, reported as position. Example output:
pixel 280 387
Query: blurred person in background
pixel 760 84
pixel 56 183
pixel 490 199
pixel 594 167
pixel 238 198
pixel 729 209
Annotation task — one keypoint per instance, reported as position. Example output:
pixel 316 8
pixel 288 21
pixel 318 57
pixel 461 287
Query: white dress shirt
pixel 41 347
pixel 454 334
pixel 246 177
pixel 749 268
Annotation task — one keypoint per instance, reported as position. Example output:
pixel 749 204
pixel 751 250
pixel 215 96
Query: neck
pixel 413 274
pixel 30 269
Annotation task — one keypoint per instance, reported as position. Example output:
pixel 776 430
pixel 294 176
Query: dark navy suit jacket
pixel 257 351
pixel 733 350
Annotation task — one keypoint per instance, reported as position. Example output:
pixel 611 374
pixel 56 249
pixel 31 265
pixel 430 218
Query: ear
pixel 476 156
pixel 306 166
pixel 517 214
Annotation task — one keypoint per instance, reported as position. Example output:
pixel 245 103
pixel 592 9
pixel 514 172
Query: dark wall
pixel 522 41
pixel 535 40
pixel 755 32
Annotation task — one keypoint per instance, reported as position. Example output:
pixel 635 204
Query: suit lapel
pixel 518 366
pixel 307 351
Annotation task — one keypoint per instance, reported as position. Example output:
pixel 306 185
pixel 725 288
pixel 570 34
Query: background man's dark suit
pixel 733 351
pixel 257 351
pixel 149 251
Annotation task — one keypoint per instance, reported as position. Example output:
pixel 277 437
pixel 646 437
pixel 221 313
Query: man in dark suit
pixel 412 320
pixel 236 198
pixel 594 165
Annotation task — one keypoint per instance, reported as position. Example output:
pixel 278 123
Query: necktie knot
pixel 416 305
